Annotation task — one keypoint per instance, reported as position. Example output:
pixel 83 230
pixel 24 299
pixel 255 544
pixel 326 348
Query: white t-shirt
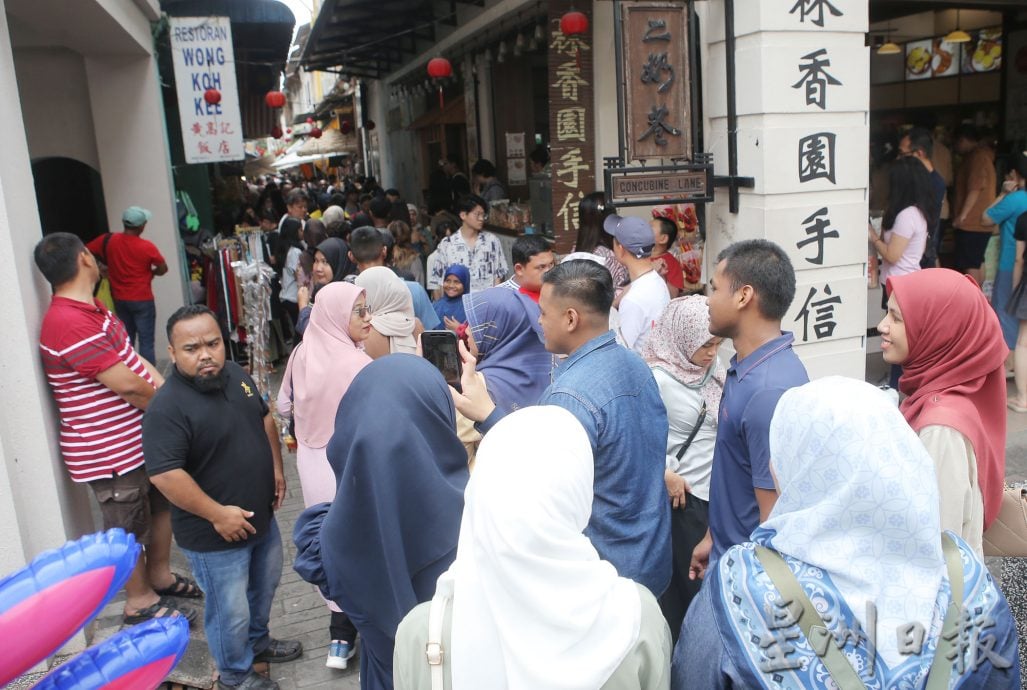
pixel 683 407
pixel 909 223
pixel 640 308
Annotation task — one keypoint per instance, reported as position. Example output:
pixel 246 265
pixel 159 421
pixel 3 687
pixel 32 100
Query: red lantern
pixel 276 132
pixel 274 99
pixel 288 130
pixel 310 120
pixel 316 132
pixel 345 126
pixel 212 96
pixel 439 68
pixel 370 125
pixel 573 22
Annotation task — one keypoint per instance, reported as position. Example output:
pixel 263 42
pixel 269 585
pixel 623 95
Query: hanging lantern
pixel 212 96
pixel 370 125
pixel 345 126
pixel 274 99
pixel 439 68
pixel 316 132
pixel 573 23
pixel 276 132
pixel 288 130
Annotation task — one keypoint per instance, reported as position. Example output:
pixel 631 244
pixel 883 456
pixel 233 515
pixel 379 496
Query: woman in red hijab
pixel 942 331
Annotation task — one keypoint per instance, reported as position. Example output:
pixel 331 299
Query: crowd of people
pixel 602 502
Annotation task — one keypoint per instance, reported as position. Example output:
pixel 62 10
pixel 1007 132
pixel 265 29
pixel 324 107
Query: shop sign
pixel 201 50
pixel 655 63
pixel 571 121
pixel 658 185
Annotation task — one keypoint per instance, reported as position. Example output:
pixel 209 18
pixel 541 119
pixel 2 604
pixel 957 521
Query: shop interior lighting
pixel 957 35
pixel 889 48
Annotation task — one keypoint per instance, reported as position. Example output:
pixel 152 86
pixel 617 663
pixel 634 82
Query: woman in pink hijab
pixel 318 374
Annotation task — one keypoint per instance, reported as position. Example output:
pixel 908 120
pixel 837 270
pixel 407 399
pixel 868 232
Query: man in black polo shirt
pixel 212 448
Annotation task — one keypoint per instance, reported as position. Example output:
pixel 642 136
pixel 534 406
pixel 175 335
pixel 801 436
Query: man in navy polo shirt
pixel 750 292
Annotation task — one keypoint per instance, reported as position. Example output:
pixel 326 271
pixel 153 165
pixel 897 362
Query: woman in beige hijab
pixel 394 328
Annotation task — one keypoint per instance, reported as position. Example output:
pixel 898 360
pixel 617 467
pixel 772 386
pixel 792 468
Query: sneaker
pixel 278 651
pixel 253 681
pixel 339 654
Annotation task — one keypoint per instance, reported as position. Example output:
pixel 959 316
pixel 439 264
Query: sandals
pixel 182 587
pixel 164 608
pixel 1015 406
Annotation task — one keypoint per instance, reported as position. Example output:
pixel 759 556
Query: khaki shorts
pixel 127 501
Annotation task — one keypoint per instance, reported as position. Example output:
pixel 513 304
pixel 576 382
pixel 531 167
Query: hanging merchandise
pixel 254 279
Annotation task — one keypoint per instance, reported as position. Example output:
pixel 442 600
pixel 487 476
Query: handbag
pixel 1007 535
pixel 695 430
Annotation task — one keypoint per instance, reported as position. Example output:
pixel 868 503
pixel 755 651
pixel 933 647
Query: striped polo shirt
pixel 101 434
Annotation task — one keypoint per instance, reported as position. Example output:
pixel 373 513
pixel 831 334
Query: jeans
pixel 139 318
pixel 238 585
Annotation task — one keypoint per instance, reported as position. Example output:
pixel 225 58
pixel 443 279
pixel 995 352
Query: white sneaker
pixel 339 654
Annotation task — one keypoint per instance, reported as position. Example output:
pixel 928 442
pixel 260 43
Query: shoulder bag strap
pixel 842 673
pixel 941 666
pixel 433 649
pixel 106 241
pixel 695 430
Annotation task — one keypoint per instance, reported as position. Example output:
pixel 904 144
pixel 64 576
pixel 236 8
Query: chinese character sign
pixel 571 122
pixel 658 104
pixel 201 49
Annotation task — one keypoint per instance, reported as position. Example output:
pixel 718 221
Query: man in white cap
pixel 131 263
pixel 647 295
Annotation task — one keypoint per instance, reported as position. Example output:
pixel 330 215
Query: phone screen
pixel 440 348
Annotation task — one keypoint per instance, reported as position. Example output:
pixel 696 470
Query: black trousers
pixel 342 628
pixel 688 526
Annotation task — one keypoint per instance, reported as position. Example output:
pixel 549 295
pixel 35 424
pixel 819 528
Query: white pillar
pixel 40 508
pixel 781 119
pixel 128 116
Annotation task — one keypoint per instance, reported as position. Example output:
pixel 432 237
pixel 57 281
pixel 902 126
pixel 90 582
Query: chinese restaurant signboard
pixel 201 50
pixel 571 121
pixel 655 59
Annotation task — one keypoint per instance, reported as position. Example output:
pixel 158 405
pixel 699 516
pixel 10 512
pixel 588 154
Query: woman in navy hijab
pixel 392 529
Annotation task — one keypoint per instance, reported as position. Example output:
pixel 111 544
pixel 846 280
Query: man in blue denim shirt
pixel 613 394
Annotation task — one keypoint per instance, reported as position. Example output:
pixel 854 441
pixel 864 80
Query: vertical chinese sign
pixel 655 54
pixel 201 49
pixel 571 121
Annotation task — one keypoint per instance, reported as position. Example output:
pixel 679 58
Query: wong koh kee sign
pixel 208 98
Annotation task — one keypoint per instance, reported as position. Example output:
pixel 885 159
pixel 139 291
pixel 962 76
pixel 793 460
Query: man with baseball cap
pixel 131 263
pixel 647 294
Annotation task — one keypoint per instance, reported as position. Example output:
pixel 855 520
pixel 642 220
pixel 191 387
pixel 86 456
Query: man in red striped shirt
pixel 101 387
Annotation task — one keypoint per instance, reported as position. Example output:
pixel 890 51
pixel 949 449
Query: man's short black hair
pixel 453 159
pixel 380 207
pixel 921 140
pixel 56 257
pixel 586 283
pixel 668 228
pixel 467 204
pixel 528 246
pixel 189 311
pixel 297 196
pixel 392 191
pixel 366 244
pixel 484 167
pixel 764 266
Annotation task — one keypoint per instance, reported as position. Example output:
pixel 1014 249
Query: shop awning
pixel 370 38
pixel 332 142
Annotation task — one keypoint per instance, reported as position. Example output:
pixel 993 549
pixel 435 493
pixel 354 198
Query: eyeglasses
pixel 361 312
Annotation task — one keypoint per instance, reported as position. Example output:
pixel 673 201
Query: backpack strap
pixel 941 666
pixel 106 241
pixel 433 649
pixel 841 671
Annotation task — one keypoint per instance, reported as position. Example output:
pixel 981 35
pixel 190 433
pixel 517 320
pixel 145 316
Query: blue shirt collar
pixel 586 349
pixel 760 355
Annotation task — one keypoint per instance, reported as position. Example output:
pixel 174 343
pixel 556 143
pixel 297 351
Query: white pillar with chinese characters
pixel 802 97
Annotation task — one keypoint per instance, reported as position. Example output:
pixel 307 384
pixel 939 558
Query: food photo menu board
pixel 930 58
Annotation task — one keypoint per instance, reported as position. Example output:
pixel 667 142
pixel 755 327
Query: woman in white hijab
pixel 394 328
pixel 528 604
pixel 849 579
